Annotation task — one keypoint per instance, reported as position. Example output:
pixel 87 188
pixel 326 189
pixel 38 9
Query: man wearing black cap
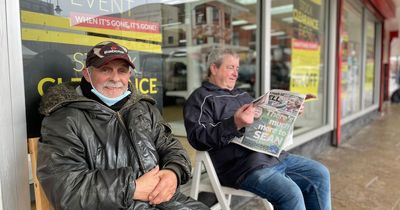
pixel 106 146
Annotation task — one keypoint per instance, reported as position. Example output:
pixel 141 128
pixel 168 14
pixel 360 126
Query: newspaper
pixel 272 130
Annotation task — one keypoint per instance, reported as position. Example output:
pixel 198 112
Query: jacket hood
pixel 63 94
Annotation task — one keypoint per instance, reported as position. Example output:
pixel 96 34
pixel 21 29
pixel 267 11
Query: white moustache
pixel 113 84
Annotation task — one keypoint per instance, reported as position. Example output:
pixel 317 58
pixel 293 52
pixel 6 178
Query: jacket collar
pixel 211 87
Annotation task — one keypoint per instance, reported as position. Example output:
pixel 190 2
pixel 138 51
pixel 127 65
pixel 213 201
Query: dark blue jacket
pixel 209 123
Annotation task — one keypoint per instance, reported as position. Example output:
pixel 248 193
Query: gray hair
pixel 216 56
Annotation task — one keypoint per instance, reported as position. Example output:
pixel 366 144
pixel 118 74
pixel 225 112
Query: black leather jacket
pixel 90 155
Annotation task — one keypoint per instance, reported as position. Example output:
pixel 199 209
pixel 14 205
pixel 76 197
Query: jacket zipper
pixel 119 117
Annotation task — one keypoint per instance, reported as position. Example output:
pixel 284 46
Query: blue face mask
pixel 105 99
pixel 110 101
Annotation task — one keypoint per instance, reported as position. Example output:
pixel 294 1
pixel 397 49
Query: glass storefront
pixel 359 43
pixel 298 63
pixel 351 59
pixel 168 42
pixel 203 26
pixel 394 66
pixel 369 78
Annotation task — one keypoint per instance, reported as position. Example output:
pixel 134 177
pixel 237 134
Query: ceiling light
pixel 180 54
pixel 239 22
pixel 284 37
pixel 246 2
pixel 171 24
pixel 282 9
pixel 249 27
pixel 288 19
pixel 278 33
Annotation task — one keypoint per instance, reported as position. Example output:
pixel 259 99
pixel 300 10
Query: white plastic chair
pixel 223 194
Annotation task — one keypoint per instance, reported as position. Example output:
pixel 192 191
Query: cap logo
pixel 116 51
pixel 113 49
pixel 96 51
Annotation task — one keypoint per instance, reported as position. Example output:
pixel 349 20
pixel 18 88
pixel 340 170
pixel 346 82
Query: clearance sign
pixel 54 51
pixel 306 52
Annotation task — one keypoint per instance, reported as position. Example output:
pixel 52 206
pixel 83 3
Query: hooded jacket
pixel 90 155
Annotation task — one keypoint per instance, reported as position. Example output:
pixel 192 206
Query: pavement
pixel 365 169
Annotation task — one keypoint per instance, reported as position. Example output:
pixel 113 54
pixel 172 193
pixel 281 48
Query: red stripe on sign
pixel 106 22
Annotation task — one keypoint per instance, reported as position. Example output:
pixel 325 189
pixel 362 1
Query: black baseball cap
pixel 105 52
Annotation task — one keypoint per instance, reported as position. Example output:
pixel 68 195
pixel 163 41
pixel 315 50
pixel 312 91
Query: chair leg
pixel 229 199
pixel 215 184
pixel 216 207
pixel 194 190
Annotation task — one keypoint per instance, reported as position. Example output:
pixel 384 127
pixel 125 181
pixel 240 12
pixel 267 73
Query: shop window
pixel 168 43
pixel 369 78
pixel 351 59
pixel 394 66
pixel 298 56
pixel 203 26
pixel 358 62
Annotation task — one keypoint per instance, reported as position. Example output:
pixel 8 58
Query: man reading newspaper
pixel 217 112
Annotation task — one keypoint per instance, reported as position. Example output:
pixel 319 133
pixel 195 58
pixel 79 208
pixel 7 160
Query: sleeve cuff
pixel 177 170
pixel 230 129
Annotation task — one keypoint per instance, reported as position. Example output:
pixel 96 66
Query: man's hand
pixel 244 116
pixel 146 184
pixel 310 96
pixel 165 189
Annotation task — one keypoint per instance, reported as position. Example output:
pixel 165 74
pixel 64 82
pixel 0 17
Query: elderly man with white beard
pixel 106 146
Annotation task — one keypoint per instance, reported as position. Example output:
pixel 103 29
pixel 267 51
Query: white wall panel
pixel 13 150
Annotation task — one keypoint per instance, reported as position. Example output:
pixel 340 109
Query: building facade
pixel 332 49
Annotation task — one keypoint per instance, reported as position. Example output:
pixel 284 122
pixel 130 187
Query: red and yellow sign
pixel 118 27
pixel 95 21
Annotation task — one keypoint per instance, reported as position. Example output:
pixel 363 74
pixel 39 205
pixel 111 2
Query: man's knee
pixel 323 172
pixel 322 177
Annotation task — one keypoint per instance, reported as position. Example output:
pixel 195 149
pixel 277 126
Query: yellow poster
pixel 305 67
pixel 306 49
pixel 369 76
